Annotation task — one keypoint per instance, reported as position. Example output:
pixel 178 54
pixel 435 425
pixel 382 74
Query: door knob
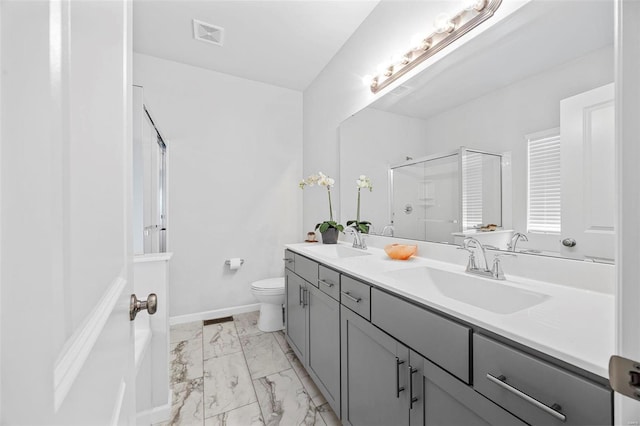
pixel 151 305
pixel 569 242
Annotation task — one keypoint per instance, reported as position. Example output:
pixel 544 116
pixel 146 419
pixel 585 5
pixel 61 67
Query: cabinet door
pixel 323 358
pixel 295 318
pixel 374 375
pixel 441 399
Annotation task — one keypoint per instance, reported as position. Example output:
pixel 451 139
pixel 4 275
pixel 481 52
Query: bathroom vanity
pixel 421 342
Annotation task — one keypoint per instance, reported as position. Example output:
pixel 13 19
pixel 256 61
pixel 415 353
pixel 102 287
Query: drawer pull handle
pixel 412 398
pixel 350 297
pixel 398 388
pixel 327 283
pixel 501 381
pixel 286 259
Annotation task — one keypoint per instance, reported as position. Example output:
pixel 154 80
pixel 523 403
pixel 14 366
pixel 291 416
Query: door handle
pixel 350 297
pixel 327 283
pixel 135 305
pixel 300 300
pixel 412 398
pixel 398 388
pixel 554 410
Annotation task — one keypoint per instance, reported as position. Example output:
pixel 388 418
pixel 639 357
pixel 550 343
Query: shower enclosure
pixel 437 196
pixel 149 185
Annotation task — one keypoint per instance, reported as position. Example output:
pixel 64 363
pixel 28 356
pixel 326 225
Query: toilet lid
pixel 269 283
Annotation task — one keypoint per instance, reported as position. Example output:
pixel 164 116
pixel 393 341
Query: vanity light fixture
pixel 447 29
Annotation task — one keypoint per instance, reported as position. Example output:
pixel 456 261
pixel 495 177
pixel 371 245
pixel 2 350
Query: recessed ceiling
pixel 284 43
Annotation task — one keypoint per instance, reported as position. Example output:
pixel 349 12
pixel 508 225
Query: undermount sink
pixel 495 296
pixel 336 251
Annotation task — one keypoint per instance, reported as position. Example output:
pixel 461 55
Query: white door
pixel 587 134
pixel 65 163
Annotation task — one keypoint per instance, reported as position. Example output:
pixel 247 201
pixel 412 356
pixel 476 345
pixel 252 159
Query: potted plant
pixel 329 228
pixel 361 226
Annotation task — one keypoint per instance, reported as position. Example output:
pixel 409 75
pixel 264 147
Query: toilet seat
pixel 268 286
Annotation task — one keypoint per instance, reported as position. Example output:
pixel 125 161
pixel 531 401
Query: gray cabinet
pixel 443 341
pixel 438 398
pixel 295 313
pixel 536 391
pixel 374 379
pixel 323 337
pixel 312 326
pixel 380 359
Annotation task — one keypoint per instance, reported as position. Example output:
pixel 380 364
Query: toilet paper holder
pixel 228 262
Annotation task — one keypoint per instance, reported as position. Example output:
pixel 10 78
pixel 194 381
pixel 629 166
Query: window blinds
pixel 472 207
pixel 544 191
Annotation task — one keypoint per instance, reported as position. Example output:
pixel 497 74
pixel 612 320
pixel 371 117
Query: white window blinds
pixel 472 207
pixel 544 202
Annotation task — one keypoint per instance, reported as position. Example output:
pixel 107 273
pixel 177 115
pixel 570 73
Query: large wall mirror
pixel 513 129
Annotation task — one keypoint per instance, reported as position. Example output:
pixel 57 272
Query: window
pixel 544 202
pixel 472 185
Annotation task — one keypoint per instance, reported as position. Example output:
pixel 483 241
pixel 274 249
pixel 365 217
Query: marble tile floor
pixel 233 374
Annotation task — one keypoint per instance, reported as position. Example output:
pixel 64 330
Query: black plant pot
pixel 330 236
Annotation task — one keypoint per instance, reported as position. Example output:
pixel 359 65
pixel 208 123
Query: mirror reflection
pixel 445 197
pixel 536 91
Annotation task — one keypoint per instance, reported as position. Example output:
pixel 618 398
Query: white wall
pixel 370 141
pixel 234 161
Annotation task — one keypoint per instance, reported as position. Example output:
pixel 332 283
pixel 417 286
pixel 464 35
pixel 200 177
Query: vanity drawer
pixel 438 339
pixel 329 282
pixel 289 260
pixel 536 391
pixel 356 296
pixel 307 269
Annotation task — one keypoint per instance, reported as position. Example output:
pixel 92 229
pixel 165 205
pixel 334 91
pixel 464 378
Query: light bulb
pixel 443 23
pixel 366 80
pixel 416 41
pixel 474 5
pixel 380 69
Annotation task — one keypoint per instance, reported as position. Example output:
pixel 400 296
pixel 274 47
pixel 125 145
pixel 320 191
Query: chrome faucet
pixel 496 271
pixel 387 228
pixel 472 245
pixel 358 237
pixel 514 241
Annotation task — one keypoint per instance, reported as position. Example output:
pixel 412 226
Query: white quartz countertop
pixel 571 324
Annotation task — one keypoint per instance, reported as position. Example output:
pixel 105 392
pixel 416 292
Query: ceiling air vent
pixel 208 33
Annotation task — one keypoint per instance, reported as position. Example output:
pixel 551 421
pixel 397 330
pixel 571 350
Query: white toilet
pixel 270 294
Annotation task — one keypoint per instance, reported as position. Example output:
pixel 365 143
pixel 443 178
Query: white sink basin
pixel 336 251
pixel 500 297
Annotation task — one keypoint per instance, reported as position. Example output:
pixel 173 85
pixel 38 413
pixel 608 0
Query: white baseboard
pixel 156 415
pixel 216 313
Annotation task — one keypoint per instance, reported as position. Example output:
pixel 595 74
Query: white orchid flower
pixel 364 182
